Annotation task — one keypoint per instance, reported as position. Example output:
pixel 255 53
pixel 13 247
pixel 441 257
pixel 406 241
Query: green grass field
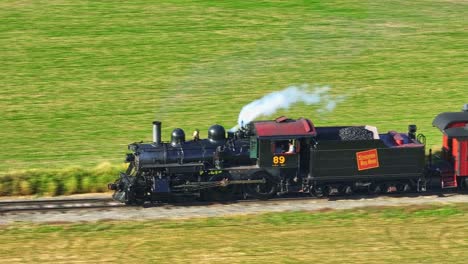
pixel 82 79
pixel 430 234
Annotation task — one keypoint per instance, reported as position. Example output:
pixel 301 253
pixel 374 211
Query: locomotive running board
pixel 222 183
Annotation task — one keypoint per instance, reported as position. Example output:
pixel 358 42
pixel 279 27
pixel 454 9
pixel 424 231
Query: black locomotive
pixel 268 158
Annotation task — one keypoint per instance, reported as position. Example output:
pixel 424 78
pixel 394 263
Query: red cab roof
pixel 283 126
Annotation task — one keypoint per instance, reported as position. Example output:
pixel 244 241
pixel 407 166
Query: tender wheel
pixel 262 190
pixel 347 190
pixel 404 188
pixel 376 189
pixel 318 192
pixel 332 190
pixel 407 188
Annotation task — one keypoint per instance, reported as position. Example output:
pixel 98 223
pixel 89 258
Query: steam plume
pixel 274 101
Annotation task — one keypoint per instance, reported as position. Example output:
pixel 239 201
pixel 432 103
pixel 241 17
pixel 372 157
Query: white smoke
pixel 274 101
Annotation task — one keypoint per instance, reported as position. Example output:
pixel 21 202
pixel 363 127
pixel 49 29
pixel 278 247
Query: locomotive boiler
pixel 163 170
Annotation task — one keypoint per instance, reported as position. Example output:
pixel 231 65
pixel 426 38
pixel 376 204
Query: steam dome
pixel 177 136
pixel 216 133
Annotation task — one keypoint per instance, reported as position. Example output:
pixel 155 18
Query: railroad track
pixel 43 205
pixel 56 205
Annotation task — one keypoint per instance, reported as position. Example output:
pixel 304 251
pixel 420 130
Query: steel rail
pixel 56 205
pixel 42 205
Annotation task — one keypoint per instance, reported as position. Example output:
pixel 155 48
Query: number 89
pixel 279 160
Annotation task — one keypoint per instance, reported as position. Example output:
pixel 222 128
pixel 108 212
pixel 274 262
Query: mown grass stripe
pixel 353 236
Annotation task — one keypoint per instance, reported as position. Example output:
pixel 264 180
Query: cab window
pixel 284 147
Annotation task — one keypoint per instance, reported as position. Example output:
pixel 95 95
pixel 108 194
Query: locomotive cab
pixel 280 148
pixel 454 166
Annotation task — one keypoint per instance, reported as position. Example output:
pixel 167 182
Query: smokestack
pixel 157 132
pixel 465 108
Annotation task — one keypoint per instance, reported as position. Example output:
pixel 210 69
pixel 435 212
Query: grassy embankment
pixel 82 79
pixel 430 234
pixel 72 180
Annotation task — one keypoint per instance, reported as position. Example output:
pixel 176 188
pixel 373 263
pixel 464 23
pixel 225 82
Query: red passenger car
pixel 454 126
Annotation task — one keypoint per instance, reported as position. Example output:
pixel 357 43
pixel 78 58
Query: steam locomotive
pixel 268 158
